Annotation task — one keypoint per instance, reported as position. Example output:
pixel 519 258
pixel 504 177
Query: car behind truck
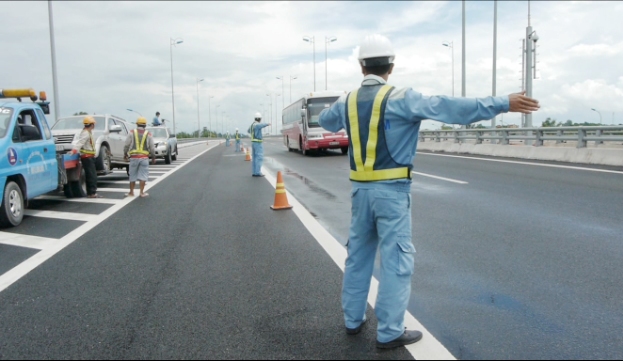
pixel 32 164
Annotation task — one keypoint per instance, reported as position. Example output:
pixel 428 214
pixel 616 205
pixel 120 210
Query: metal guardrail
pixel 533 136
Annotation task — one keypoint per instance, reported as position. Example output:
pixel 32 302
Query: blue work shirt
pixel 257 127
pixel 155 121
pixel 404 113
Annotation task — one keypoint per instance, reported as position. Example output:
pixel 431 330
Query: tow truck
pixel 30 162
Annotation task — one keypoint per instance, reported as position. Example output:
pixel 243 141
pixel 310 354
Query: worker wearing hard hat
pixel 86 146
pixel 256 144
pixel 383 123
pixel 139 145
pixel 237 137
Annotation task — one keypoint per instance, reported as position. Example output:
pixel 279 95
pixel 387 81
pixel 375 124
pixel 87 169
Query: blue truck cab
pixel 30 164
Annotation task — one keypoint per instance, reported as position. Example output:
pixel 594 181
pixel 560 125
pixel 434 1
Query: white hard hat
pixel 258 116
pixel 376 50
pixel 236 129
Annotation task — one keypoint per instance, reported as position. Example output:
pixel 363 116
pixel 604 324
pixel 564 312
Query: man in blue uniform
pixel 256 144
pixel 383 123
pixel 237 136
pixel 156 122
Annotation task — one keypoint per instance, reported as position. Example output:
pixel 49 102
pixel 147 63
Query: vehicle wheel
pixel 167 159
pixel 174 157
pixel 103 162
pixel 79 188
pixel 301 147
pixel 288 144
pixel 344 150
pixel 12 208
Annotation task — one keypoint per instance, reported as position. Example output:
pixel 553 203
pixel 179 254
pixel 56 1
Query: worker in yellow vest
pixel 139 145
pixel 383 123
pixel 86 146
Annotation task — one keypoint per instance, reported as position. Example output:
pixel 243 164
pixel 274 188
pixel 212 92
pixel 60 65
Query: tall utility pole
pixel 53 47
pixel 463 60
pixel 291 78
pixel 209 116
pixel 523 76
pixel 531 39
pixel 198 119
pixel 495 49
pixel 171 43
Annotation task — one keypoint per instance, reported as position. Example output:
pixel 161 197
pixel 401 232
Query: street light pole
pixel 216 121
pixel 451 46
pixel 53 51
pixel 593 109
pixel 313 42
pixel 171 44
pixel 276 113
pixel 135 112
pixel 209 116
pixel 495 49
pixel 291 78
pixel 282 102
pixel 270 107
pixel 198 118
pixel 327 40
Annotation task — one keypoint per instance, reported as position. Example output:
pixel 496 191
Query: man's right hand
pixel 520 103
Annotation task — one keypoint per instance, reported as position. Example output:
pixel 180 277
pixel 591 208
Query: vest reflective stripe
pixel 253 134
pixel 89 152
pixel 139 146
pixel 237 136
pixel 364 171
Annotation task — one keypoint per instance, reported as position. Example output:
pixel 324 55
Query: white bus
pixel 301 130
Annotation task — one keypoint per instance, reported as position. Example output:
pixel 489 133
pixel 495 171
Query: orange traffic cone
pixel 248 157
pixel 281 199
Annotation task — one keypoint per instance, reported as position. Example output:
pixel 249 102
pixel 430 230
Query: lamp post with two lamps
pixel 327 40
pixel 313 42
pixel 171 44
pixel 451 46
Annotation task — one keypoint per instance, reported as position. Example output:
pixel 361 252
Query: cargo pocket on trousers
pixel 406 252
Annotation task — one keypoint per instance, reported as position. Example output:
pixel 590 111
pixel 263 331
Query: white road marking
pixel 429 348
pixel 60 215
pixel 527 163
pixel 21 240
pixel 83 200
pixel 48 251
pixel 117 190
pixel 442 178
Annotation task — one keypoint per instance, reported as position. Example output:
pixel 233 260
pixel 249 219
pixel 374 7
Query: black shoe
pixel 356 330
pixel 258 175
pixel 407 338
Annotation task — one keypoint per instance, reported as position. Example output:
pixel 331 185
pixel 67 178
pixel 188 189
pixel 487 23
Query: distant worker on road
pixel 382 123
pixel 255 130
pixel 86 146
pixel 139 145
pixel 156 121
pixel 237 136
pixel 227 138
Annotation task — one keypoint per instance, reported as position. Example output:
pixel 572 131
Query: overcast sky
pixel 115 55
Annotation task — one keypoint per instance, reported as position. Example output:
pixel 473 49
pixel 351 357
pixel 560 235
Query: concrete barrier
pixel 601 156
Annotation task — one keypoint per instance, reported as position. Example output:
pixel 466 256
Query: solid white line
pixel 442 178
pixel 26 241
pixel 429 348
pixel 83 200
pixel 59 215
pixel 527 163
pixel 117 190
pixel 19 271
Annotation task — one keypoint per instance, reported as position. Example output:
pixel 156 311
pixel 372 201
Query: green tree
pixel 81 113
pixel 549 122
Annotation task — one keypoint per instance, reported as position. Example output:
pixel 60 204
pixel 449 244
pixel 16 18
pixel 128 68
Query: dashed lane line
pixel 429 348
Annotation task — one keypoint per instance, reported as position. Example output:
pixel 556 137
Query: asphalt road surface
pixel 516 260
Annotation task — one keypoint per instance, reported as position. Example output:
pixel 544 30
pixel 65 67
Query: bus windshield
pixel 5 120
pixel 314 107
